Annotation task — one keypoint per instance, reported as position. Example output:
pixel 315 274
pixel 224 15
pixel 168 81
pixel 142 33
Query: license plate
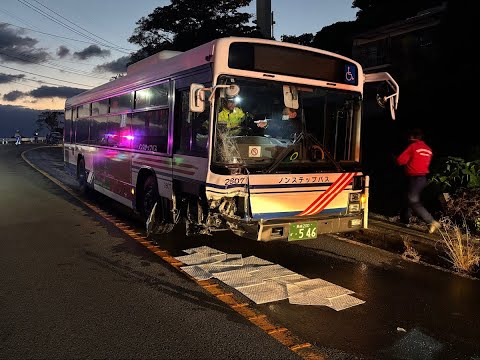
pixel 302 231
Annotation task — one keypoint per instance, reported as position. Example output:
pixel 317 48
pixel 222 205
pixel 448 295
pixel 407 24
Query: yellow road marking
pixel 281 334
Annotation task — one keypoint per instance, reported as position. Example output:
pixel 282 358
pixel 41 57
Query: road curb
pixel 398 239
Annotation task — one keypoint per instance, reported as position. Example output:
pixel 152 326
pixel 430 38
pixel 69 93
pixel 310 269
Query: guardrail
pixel 6 141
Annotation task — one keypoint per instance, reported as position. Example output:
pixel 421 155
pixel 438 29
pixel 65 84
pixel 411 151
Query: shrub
pixel 462 251
pixel 461 179
pixel 455 173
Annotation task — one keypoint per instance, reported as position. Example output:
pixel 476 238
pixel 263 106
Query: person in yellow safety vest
pixel 232 117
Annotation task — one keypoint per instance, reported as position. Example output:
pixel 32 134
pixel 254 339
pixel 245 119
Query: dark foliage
pixel 185 24
pixel 52 120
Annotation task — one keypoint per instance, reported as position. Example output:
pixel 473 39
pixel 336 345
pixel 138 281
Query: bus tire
pixel 150 197
pixel 82 176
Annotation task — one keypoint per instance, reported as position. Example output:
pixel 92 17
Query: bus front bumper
pixel 278 229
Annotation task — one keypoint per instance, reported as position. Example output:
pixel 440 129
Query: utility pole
pixel 265 18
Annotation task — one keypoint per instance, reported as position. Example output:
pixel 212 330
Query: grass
pixel 461 247
pixel 409 253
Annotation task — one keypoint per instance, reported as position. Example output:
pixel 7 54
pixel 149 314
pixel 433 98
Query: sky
pixel 52 49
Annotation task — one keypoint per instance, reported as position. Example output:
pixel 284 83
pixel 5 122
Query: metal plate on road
pixel 302 231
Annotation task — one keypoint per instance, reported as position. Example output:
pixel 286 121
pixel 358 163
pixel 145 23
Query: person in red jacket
pixel 416 162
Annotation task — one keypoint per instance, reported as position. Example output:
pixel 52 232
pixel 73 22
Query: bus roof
pixel 147 71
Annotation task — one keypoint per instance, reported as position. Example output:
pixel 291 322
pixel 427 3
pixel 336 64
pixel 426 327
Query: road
pixel 75 285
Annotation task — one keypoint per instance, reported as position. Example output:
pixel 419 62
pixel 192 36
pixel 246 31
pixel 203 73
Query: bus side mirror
pixel 386 95
pixel 290 96
pixel 197 98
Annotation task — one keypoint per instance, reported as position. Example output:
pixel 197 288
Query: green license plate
pixel 302 231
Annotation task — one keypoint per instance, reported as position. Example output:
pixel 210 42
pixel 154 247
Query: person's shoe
pixel 434 226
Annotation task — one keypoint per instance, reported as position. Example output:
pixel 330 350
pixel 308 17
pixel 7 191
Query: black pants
pixel 412 202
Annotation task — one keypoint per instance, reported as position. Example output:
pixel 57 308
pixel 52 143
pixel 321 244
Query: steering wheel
pixel 315 151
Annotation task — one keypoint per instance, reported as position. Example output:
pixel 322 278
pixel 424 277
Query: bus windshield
pixel 256 130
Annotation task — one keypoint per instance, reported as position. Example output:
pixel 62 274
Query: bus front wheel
pixel 158 222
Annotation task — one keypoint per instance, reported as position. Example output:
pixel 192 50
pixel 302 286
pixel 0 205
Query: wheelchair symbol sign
pixel 350 74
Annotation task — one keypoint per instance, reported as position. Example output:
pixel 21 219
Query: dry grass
pixel 409 253
pixel 461 247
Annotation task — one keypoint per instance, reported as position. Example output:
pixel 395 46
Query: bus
pixel 289 168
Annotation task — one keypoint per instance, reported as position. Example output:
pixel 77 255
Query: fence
pixel 6 141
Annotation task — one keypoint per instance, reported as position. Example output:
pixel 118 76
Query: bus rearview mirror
pixel 390 94
pixel 290 96
pixel 197 98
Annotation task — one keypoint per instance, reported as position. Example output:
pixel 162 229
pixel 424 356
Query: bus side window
pixel 200 131
pixel 183 122
pixel 98 130
pixel 150 130
pixel 82 130
pixel 68 126
pixel 192 128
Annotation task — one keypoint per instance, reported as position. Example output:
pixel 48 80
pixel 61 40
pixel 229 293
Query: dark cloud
pixel 16 48
pixel 54 91
pixel 91 51
pixel 14 95
pixel 117 66
pixel 62 51
pixel 44 92
pixel 7 78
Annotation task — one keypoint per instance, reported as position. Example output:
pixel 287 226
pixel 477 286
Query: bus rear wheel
pixel 82 177
pixel 159 222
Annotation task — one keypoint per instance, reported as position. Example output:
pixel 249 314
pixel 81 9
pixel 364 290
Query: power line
pixel 37 81
pixel 80 26
pixel 48 77
pixel 18 82
pixel 38 10
pixel 51 67
pixel 62 37
pixel 12 16
pixel 58 36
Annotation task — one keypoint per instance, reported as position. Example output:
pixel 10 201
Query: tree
pixel 115 77
pixel 52 120
pixel 336 38
pixel 185 24
pixel 373 13
pixel 304 39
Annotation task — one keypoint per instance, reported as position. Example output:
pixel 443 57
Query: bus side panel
pixel 69 159
pixel 118 166
pixel 160 164
pixel 190 172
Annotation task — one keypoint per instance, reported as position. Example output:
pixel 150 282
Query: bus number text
pixel 234 181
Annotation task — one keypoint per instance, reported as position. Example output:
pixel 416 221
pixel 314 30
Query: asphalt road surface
pixel 75 286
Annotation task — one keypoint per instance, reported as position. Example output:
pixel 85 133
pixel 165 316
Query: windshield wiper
pixel 284 154
pixel 305 137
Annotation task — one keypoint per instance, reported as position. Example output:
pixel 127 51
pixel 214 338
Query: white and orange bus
pixel 153 140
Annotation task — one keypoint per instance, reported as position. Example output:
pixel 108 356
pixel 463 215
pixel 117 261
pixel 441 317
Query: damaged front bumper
pixel 279 229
